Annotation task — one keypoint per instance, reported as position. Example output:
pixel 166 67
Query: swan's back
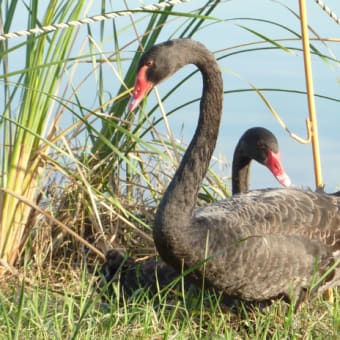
pixel 268 242
pixel 282 211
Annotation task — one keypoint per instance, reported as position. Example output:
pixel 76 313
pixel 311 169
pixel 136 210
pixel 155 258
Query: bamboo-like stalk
pixel 312 112
pixel 310 95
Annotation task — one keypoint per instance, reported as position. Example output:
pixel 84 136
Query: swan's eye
pixel 149 63
pixel 260 144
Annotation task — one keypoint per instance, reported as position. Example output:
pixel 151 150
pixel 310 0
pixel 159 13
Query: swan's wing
pixel 268 244
pixel 263 267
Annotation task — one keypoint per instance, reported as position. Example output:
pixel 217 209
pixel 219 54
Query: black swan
pixel 254 246
pixel 153 274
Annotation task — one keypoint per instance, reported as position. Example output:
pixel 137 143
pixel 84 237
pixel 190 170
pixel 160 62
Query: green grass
pixel 64 304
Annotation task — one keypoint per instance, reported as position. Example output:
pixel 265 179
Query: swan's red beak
pixel 141 88
pixel 274 164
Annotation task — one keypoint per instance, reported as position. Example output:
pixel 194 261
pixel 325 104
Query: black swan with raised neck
pixel 153 274
pixel 254 246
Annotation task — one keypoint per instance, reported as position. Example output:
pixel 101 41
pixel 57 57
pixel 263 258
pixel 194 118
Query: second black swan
pixel 153 274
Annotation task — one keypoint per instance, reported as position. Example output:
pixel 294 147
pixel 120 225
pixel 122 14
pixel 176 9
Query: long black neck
pixel 172 221
pixel 240 171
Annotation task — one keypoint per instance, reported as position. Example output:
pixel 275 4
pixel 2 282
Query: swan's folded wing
pixel 260 246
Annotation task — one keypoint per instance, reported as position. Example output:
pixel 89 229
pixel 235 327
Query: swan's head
pixel 260 144
pixel 157 64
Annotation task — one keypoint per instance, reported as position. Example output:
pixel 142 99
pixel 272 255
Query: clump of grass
pixel 93 160
pixel 25 116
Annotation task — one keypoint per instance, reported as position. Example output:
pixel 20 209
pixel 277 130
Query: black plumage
pixel 254 246
pixel 153 274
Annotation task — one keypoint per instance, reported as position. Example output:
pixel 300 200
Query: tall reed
pixel 26 118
